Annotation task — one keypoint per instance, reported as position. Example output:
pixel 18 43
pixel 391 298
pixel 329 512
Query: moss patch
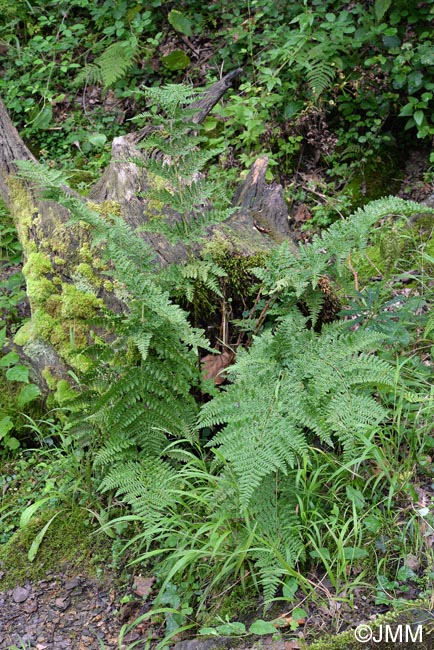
pixel 78 304
pixel 70 543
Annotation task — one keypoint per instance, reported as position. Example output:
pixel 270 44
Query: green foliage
pixel 320 442
pixel 290 278
pixel 176 164
pixel 110 66
pixel 305 384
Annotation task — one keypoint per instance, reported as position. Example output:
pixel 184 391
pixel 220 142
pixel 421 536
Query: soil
pixel 59 613
pixel 77 612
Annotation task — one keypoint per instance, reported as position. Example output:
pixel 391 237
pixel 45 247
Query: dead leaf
pixel 412 562
pixel 302 214
pixel 286 621
pixel 143 586
pixel 213 364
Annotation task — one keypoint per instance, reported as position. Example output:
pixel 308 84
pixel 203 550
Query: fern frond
pixel 320 75
pixel 290 382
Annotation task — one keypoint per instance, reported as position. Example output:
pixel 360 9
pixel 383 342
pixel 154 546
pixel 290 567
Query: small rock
pixel 31 606
pixel 72 584
pixel 20 594
pixel 62 603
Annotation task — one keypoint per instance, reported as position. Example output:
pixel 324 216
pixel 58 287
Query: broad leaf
pixel 176 60
pixel 381 8
pixel 180 22
pixel 262 627
pixel 18 373
pixel 27 394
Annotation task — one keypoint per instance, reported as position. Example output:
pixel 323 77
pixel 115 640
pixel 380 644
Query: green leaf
pixel 289 588
pixel 27 394
pixel 353 553
pixel 180 23
pixel 97 139
pixel 39 537
pixel 2 337
pixel 355 496
pixel 298 614
pixel 43 118
pixel 10 359
pixel 418 117
pixel 228 629
pixel 6 424
pixel 209 124
pixel 405 573
pixel 208 631
pixel 262 627
pixel 18 373
pixel 11 443
pixel 176 60
pixel 381 8
pixel 28 513
pixel 372 523
pixel 322 554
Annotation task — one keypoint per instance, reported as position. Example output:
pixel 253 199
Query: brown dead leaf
pixel 302 214
pixel 413 562
pixel 286 620
pixel 143 586
pixel 213 364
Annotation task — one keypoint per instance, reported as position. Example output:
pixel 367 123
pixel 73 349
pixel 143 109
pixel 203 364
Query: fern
pixel 176 158
pixel 320 69
pixel 278 532
pixel 110 66
pixel 290 383
pixel 290 278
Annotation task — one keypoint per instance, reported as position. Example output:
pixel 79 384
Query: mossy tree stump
pixel 66 281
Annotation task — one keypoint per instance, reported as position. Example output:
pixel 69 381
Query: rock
pixel 31 606
pixel 20 594
pixel 62 603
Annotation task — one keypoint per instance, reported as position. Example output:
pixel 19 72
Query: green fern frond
pixel 90 75
pixel 320 75
pixel 288 383
pixel 110 66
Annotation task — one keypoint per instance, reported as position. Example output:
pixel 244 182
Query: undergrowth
pixel 311 465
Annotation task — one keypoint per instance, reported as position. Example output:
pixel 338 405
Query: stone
pixel 20 594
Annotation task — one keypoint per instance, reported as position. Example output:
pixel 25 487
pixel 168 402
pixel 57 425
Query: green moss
pixel 85 253
pixel 70 543
pixel 414 613
pixel 53 305
pixel 22 211
pixel 50 379
pixel 64 392
pixel 38 291
pixel 23 334
pixel 36 265
pixel 78 304
pixel 106 208
pixel 86 271
pixel 45 326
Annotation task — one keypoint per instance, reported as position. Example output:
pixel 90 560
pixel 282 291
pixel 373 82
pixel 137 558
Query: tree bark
pixel 62 274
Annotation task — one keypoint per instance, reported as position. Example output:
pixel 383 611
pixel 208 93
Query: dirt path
pixel 58 613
